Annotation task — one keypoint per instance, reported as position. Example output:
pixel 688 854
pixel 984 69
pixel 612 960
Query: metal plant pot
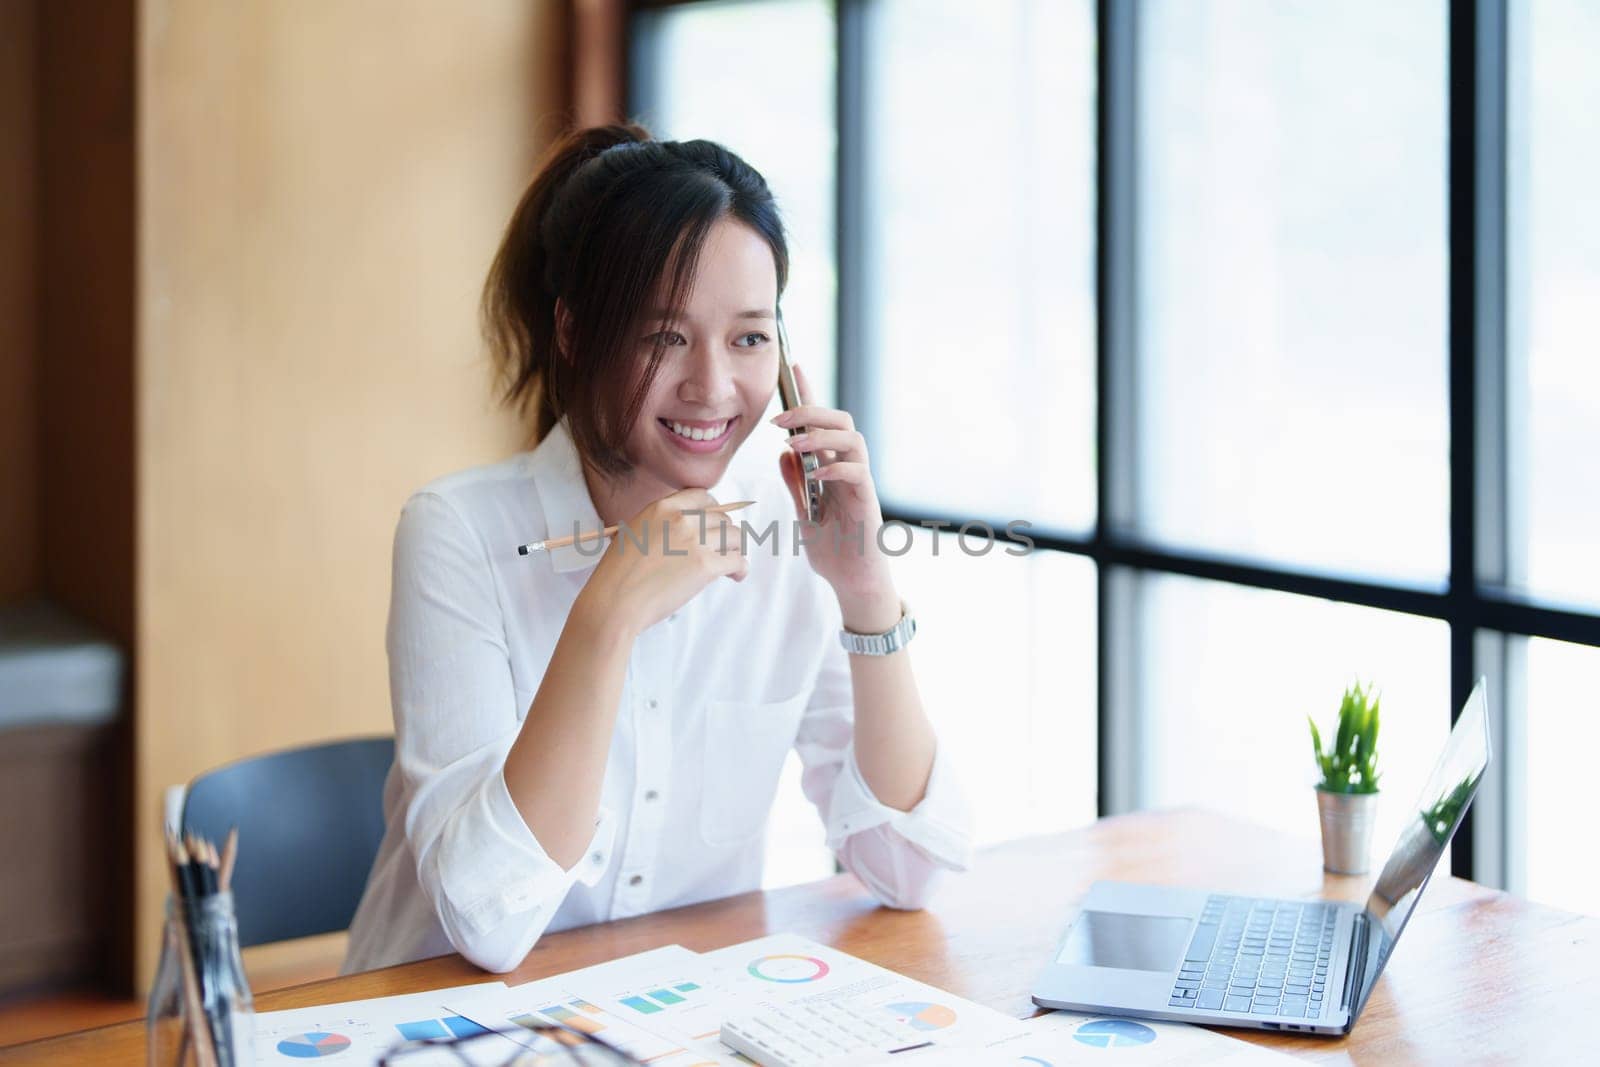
pixel 1346 830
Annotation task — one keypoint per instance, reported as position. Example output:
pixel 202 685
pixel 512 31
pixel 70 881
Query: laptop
pixel 1157 952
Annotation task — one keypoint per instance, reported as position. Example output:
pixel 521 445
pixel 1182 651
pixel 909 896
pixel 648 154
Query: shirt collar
pixel 564 495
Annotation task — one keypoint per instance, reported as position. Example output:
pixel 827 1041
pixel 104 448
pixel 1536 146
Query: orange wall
pixel 321 184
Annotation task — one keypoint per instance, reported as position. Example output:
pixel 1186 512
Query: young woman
pixel 597 731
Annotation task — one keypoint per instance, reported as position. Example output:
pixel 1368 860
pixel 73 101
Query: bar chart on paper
pixel 655 1006
pixel 576 1013
pixel 568 1008
pixel 681 1007
pixel 445 1027
pixel 647 1037
pixel 661 998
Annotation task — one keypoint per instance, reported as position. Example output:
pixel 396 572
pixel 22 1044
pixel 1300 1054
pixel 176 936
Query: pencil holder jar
pixel 201 1013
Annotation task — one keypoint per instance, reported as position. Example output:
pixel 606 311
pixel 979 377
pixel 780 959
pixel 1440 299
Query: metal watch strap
pixel 891 640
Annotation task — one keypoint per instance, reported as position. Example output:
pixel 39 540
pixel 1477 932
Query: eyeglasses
pixel 544 1045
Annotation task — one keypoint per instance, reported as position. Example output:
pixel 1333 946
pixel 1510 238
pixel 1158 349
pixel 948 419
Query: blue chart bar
pixel 422 1030
pixel 686 987
pixel 641 1005
pixel 666 997
pixel 431 1029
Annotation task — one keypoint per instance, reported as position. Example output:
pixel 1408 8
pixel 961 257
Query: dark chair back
pixel 310 822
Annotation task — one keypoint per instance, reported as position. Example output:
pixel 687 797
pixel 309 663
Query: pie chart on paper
pixel 1113 1033
pixel 314 1045
pixel 788 968
pixel 921 1015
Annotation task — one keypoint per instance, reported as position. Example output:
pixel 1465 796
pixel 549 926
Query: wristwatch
pixel 891 640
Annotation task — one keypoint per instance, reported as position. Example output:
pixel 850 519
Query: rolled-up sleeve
pixel 491 884
pixel 899 855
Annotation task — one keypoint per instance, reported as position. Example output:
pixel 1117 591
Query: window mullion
pixel 1478 529
pixel 1116 432
pixel 850 185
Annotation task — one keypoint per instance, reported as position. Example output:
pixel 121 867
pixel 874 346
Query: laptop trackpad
pixel 1128 942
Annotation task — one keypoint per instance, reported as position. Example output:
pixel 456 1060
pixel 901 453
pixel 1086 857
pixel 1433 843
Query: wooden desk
pixel 1480 977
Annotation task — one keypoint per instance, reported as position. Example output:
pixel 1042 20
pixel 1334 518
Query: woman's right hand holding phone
pixel 663 556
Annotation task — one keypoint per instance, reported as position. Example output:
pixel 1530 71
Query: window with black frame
pixel 972 194
pixel 1273 319
pixel 1290 388
pixel 1552 394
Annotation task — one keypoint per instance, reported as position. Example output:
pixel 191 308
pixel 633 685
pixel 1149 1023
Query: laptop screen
pixel 1444 801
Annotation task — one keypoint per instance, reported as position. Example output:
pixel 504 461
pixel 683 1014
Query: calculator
pixel 809 1034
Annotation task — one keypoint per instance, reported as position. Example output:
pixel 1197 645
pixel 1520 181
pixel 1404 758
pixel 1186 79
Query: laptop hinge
pixel 1357 960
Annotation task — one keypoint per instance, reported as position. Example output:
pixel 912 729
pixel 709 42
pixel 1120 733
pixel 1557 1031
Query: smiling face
pixel 717 372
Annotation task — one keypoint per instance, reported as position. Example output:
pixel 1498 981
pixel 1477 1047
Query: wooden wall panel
pixel 597 61
pixel 85 304
pixel 85 380
pixel 19 505
pixel 321 187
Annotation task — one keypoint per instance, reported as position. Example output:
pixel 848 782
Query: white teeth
pixel 694 433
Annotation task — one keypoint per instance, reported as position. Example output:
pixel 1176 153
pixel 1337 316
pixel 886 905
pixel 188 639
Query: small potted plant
pixel 1347 794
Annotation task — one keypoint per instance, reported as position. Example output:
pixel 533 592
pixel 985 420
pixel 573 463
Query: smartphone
pixel 789 394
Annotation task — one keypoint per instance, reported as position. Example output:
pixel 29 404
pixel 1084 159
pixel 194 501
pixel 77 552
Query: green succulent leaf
pixel 1351 764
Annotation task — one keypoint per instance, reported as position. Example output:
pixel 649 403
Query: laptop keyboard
pixel 1264 957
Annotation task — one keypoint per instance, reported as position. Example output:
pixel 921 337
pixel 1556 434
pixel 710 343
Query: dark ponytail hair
pixel 609 213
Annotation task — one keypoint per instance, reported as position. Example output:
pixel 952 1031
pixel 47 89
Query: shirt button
pixel 597 858
pixel 637 879
pixel 652 703
pixel 651 794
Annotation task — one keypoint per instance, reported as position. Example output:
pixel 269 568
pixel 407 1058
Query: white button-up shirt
pixel 713 700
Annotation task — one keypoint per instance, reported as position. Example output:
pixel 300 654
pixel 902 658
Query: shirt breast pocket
pixel 745 746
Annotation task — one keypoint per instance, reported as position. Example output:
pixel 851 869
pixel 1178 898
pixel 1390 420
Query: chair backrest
pixel 310 822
